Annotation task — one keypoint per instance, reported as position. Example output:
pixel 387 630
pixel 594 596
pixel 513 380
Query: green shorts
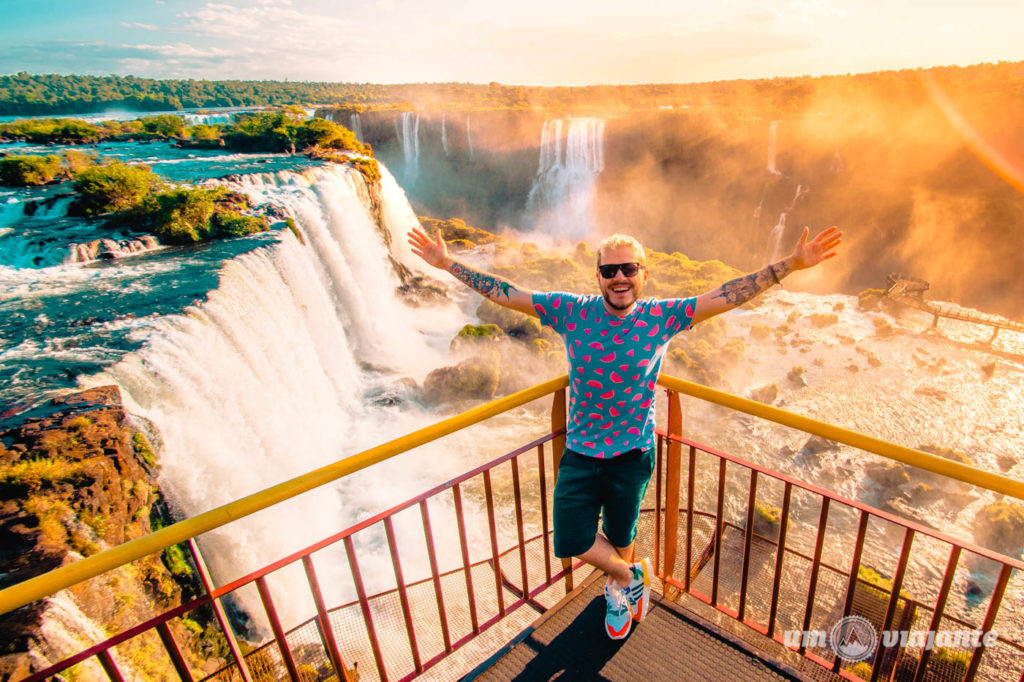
pixel 588 486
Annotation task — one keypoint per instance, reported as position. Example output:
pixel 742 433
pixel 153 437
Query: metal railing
pixel 748 566
pixel 417 623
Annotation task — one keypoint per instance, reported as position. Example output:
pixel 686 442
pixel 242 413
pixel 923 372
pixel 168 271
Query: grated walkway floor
pixel 568 643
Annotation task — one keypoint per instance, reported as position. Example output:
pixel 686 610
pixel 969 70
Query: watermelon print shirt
pixel 613 365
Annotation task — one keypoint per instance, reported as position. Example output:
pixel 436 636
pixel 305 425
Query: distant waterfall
pixel 773 136
pixel 779 231
pixel 408 133
pixel 571 157
pixel 444 132
pixel 207 119
pixel 469 138
pixel 356 126
pixel 274 375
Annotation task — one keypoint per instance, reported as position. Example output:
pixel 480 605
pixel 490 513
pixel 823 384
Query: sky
pixel 525 42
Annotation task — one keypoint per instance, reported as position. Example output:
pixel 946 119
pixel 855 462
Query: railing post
pixel 218 610
pixel 672 477
pixel 558 424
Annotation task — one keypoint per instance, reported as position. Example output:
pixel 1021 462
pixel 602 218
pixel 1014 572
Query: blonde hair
pixel 617 240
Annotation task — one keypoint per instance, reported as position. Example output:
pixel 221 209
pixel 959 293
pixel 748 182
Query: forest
pixel 25 94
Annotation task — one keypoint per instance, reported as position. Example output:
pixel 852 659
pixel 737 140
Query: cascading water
pixel 277 374
pixel 356 125
pixel 777 236
pixel 571 157
pixel 469 138
pixel 444 132
pixel 408 133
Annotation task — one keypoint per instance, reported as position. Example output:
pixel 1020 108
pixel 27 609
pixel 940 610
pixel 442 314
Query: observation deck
pixel 754 568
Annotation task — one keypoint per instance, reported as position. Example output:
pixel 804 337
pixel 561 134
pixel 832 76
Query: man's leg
pixel 610 559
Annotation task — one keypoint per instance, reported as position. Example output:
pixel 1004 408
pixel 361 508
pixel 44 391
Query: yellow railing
pixel 900 453
pixel 49 583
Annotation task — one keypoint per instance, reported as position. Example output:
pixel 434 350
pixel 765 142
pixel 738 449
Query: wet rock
pixel 931 392
pixel 1000 526
pixel 852 368
pixel 889 476
pixel 796 376
pixel 472 337
pixel 822 320
pixel 883 328
pixel 513 323
pixel 765 394
pixel 473 379
pixel 873 360
pixel 869 299
pixel 1005 462
pixel 987 370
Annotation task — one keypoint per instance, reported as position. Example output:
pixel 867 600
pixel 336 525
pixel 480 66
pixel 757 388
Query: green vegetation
pixel 111 187
pixel 284 131
pixel 188 216
pixel 24 171
pixel 138 199
pixel 143 448
pixel 26 94
pixel 32 170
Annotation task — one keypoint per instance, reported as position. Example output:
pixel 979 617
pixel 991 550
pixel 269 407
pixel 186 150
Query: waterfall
pixel 356 126
pixel 408 133
pixel 571 158
pixel 772 141
pixel 469 138
pixel 275 374
pixel 207 119
pixel 444 132
pixel 779 231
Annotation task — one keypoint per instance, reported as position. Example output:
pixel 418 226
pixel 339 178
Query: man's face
pixel 620 292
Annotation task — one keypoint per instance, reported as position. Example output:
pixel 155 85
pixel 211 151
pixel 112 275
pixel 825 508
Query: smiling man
pixel 615 344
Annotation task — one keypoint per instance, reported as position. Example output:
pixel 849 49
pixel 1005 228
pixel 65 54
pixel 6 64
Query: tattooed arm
pixel 736 292
pixel 491 287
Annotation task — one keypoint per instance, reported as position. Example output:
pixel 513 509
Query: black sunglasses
pixel 628 269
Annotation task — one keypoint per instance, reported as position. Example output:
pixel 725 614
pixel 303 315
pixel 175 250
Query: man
pixel 615 344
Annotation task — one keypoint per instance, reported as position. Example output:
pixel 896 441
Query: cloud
pixel 135 24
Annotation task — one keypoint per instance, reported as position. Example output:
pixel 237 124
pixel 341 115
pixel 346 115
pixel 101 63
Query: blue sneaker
pixel 618 617
pixel 639 590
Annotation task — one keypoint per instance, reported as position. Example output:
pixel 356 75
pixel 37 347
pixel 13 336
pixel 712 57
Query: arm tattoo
pixel 488 286
pixel 740 290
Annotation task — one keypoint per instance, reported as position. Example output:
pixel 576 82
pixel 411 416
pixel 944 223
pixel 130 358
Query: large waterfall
pixel 293 362
pixel 571 157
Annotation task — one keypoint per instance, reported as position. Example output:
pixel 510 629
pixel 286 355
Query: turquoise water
pixel 60 319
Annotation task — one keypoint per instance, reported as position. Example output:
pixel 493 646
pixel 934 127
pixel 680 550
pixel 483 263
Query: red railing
pixel 832 593
pixel 707 548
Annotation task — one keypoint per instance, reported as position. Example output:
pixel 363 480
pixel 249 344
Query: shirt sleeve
pixel 553 308
pixel 678 313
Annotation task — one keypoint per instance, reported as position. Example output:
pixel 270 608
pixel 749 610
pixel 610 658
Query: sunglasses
pixel 628 269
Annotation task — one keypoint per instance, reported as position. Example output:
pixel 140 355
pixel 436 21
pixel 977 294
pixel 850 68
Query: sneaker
pixel 618 617
pixel 639 590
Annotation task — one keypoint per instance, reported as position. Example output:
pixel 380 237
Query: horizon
pixel 383 42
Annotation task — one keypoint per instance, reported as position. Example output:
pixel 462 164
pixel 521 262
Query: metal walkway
pixel 568 643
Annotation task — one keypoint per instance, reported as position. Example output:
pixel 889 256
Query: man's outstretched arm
pixel 736 292
pixel 492 287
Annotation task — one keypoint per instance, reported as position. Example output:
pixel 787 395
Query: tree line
pixel 27 94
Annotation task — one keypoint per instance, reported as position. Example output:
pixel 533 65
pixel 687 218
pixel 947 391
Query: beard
pixel 606 292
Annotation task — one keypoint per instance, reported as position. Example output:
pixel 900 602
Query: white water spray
pixel 571 158
pixel 408 134
pixel 356 126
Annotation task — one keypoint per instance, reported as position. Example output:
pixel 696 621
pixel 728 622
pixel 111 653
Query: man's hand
pixel 810 253
pixel 433 251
